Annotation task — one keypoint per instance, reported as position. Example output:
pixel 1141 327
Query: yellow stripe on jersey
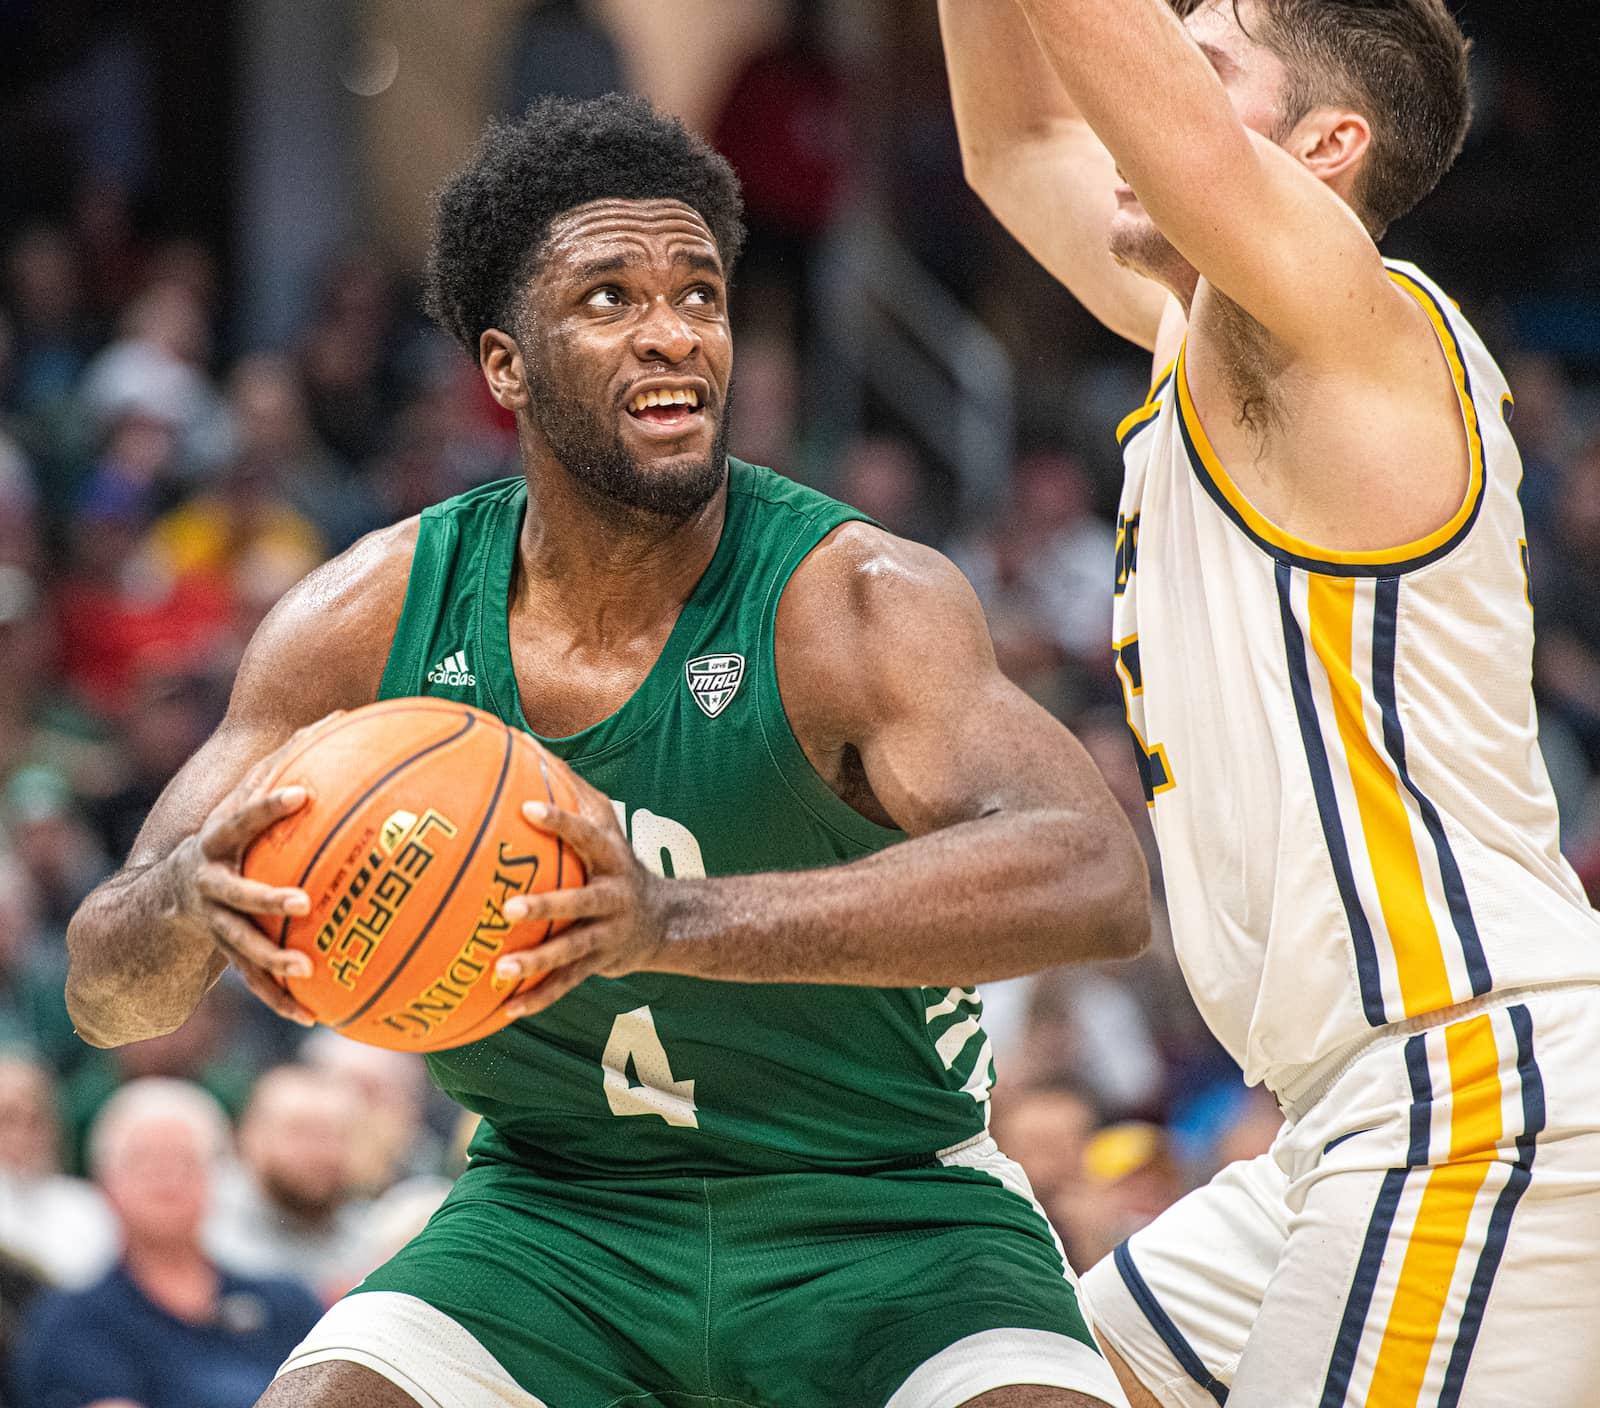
pixel 1444 1215
pixel 1131 422
pixel 1159 382
pixel 1149 410
pixel 1385 823
pixel 1309 553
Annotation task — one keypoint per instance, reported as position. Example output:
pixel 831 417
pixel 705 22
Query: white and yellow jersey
pixel 1340 748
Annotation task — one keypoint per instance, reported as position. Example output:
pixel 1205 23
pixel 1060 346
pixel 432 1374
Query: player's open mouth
pixel 666 406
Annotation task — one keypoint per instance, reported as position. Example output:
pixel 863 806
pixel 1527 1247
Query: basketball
pixel 410 843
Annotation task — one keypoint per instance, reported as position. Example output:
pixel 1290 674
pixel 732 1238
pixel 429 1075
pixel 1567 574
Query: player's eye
pixel 701 296
pixel 607 297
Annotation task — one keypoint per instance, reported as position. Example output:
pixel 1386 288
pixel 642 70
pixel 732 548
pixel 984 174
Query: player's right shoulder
pixel 324 645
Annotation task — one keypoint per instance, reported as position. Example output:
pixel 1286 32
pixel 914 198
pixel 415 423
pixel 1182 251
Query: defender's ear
pixel 500 360
pixel 1331 143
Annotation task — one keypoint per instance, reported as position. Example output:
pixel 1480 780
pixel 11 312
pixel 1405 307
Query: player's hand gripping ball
pixel 411 841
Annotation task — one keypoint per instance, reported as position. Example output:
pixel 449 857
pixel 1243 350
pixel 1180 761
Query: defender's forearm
pixel 1008 894
pixel 137 966
pixel 1002 88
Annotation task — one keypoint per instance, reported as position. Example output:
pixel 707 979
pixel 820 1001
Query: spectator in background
pixel 159 366
pixel 275 447
pixel 1131 1175
pixel 167 1327
pixel 21 541
pixel 883 477
pixel 764 415
pixel 33 1010
pixel 1043 572
pixel 1046 1128
pixel 56 847
pixel 557 49
pixel 390 1221
pixel 220 1049
pixel 785 129
pixel 286 1209
pixel 20 1283
pixel 51 335
pixel 347 357
pixel 1566 592
pixel 170 711
pixel 441 445
pixel 58 1225
pixel 391 1137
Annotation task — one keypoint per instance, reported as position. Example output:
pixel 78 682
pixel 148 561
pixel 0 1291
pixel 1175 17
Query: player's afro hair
pixel 491 219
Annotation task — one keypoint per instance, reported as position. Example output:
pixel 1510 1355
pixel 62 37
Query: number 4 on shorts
pixel 652 1091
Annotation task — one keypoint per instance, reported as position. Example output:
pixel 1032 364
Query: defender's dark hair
pixel 492 218
pixel 1401 63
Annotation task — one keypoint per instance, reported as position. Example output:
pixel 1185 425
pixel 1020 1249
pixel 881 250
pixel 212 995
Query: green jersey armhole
pixel 413 636
pixel 803 780
pixel 433 563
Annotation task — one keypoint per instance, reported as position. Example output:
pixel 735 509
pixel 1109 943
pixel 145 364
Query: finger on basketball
pixel 222 885
pixel 580 832
pixel 589 901
pixel 239 938
pixel 546 957
pixel 596 846
pixel 274 996
pixel 229 835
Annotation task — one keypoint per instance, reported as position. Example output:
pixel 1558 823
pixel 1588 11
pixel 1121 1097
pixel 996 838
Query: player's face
pixel 1255 80
pixel 631 354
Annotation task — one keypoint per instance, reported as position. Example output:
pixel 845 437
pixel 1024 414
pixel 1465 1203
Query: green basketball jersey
pixel 655 1073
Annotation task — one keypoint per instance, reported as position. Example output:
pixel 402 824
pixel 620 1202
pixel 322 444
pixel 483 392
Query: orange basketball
pixel 410 844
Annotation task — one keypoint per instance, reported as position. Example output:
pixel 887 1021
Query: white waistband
pixel 1298 1089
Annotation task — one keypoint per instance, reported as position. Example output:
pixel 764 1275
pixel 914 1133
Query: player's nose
pixel 665 335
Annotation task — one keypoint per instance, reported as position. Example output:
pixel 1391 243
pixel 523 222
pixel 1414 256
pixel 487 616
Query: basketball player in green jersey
pixel 735 1151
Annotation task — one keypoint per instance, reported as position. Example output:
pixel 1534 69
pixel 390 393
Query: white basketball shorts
pixel 1427 1233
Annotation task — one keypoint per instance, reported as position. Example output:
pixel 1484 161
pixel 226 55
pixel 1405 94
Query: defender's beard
pixel 590 448
pixel 1137 244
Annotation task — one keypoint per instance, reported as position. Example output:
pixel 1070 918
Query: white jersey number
pixel 668 848
pixel 653 1091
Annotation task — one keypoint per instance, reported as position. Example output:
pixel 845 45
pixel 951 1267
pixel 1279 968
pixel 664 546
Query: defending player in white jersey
pixel 1324 637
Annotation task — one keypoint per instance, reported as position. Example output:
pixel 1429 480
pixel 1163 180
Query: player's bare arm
pixel 1027 151
pixel 1019 857
pixel 1293 296
pixel 147 944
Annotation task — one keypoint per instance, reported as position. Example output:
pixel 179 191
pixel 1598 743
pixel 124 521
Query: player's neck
pixel 605 574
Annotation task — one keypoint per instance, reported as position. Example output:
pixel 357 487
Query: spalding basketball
pixel 410 844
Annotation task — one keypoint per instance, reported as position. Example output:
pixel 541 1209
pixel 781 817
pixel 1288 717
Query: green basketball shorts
pixel 919 1288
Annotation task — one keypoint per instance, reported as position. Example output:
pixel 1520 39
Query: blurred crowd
pixel 189 1202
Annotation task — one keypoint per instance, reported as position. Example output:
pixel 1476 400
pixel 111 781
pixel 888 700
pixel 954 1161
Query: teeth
pixel 678 396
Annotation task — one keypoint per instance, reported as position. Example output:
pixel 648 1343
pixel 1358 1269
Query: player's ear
pixel 500 358
pixel 1331 142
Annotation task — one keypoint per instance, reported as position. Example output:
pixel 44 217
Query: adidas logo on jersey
pixel 452 671
pixel 713 681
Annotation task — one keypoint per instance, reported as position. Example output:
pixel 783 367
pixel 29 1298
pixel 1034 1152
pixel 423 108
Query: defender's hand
pixel 213 894
pixel 617 917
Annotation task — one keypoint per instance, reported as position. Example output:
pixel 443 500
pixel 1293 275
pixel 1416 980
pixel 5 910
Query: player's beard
pixel 590 448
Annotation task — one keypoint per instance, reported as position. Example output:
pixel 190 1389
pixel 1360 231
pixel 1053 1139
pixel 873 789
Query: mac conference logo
pixel 713 681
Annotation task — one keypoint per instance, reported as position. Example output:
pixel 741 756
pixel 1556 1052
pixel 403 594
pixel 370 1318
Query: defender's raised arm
pixel 1273 218
pixel 1027 151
